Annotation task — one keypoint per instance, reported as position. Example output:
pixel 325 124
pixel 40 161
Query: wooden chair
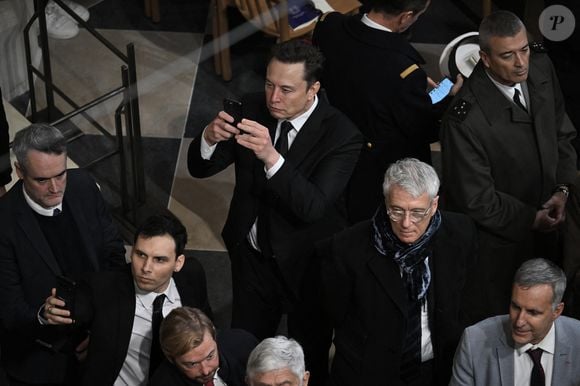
pixel 152 10
pixel 271 16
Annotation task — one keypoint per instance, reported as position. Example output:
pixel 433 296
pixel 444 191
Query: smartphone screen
pixel 441 91
pixel 233 108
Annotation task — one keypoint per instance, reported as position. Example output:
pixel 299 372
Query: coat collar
pixel 391 41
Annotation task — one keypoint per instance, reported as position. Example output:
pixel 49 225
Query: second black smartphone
pixel 233 108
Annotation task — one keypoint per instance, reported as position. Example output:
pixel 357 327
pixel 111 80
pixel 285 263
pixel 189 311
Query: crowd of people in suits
pixel 337 221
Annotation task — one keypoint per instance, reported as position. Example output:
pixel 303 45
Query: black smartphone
pixel 233 108
pixel 66 290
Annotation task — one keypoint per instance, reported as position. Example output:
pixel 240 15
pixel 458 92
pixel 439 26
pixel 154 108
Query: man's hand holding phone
pixel 224 126
pixel 55 311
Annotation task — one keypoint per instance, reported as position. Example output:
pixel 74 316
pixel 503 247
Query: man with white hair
pixel 277 361
pixel 394 285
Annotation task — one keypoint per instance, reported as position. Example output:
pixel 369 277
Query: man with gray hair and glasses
pixel 53 223
pixel 533 345
pixel 277 361
pixel 394 285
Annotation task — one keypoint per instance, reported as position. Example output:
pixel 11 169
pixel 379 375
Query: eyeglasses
pixel 416 215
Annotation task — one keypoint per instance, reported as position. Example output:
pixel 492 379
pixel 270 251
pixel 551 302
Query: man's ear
pixel 435 203
pixel 179 261
pixel 306 378
pixel 558 311
pixel 484 58
pixel 19 171
pixel 313 90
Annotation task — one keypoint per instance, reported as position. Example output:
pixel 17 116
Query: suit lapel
pixel 505 354
pixel 563 364
pixel 387 274
pixel 126 311
pixel 78 214
pixel 26 220
pixel 308 136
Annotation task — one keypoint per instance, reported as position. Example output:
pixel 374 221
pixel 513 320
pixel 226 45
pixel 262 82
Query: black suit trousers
pixel 261 296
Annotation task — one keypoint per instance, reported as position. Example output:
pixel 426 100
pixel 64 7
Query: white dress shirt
pixel 509 91
pixel 135 369
pixel 207 151
pixel 373 24
pixel 523 363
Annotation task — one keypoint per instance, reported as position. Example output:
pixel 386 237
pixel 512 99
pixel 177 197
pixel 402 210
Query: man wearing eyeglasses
pixel 393 285
pixel 198 355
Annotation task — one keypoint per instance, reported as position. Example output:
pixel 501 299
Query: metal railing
pixel 127 137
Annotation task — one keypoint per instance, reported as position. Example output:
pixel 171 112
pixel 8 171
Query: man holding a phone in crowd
pixel 53 222
pixel 293 156
pixel 372 74
pixel 123 309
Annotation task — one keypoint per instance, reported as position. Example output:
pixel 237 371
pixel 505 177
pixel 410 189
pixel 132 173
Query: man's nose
pixel 275 95
pixel 146 265
pixel 205 368
pixel 52 185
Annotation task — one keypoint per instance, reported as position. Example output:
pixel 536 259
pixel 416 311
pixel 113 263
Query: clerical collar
pixel 48 212
pixel 373 24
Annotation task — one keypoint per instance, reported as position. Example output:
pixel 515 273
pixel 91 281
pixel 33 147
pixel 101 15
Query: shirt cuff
pixel 39 316
pixel 206 150
pixel 274 169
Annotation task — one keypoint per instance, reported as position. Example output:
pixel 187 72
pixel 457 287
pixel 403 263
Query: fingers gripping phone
pixel 233 108
pixel 441 91
pixel 66 291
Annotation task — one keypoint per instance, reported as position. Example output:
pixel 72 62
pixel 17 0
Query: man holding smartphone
pixel 373 75
pixel 293 155
pixel 53 222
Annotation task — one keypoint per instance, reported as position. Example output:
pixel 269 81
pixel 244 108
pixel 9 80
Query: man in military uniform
pixel 372 75
pixel 507 157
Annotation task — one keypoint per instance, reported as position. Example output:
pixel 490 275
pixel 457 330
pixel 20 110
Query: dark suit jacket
pixel 5 169
pixel 364 78
pixel 500 165
pixel 234 347
pixel 367 300
pixel 29 270
pixel 303 199
pixel 112 311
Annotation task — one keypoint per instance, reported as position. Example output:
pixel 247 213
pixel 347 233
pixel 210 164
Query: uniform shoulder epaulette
pixel 408 71
pixel 460 109
pixel 538 47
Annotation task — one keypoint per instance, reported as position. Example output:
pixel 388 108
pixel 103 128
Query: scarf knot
pixel 411 259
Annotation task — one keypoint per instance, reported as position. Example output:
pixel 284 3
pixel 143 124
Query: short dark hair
pixel 300 51
pixel 40 137
pixel 164 224
pixel 541 271
pixel 498 24
pixel 395 7
pixel 183 330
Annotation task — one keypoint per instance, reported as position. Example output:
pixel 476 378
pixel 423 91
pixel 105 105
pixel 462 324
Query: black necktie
pixel 538 377
pixel 282 142
pixel 157 317
pixel 518 101
pixel 56 212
